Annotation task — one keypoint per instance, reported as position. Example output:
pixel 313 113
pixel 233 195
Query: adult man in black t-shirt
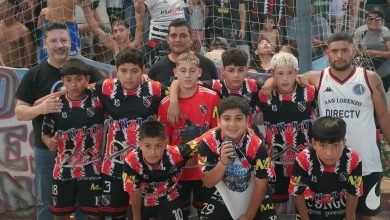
pixel 34 99
pixel 179 41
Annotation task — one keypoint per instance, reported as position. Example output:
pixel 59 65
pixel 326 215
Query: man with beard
pixel 352 93
pixel 36 97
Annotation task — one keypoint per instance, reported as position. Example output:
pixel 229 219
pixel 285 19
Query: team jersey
pixel 325 188
pixel 162 13
pixel 201 110
pixel 248 91
pixel 250 151
pixel 79 127
pixel 158 184
pixel 127 110
pixel 351 100
pixel 287 122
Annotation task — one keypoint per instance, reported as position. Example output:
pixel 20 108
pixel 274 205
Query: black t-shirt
pixel 224 13
pixel 79 141
pixel 38 82
pixel 162 71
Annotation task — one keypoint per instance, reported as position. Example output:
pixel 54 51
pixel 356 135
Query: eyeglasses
pixel 378 18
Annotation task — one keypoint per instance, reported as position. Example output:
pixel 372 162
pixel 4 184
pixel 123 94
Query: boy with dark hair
pixel 287 121
pixel 327 178
pixel 235 164
pixel 234 82
pixel 198 109
pixel 151 174
pixel 128 104
pixel 77 142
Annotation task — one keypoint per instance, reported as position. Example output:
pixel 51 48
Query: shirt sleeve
pixel 206 159
pixel 299 179
pixel 25 91
pixel 355 183
pixel 131 179
pixel 263 167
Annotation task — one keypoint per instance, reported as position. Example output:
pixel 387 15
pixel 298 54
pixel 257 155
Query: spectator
pixel 263 55
pixel 198 12
pixel 337 11
pixel 120 29
pixel 162 14
pixel 16 46
pixel 217 47
pixel 320 32
pixel 270 32
pixel 227 19
pixel 374 39
pixel 179 41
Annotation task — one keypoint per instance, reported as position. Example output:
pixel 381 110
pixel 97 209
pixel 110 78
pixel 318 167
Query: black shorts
pixel 114 200
pixel 169 210
pixel 65 194
pixel 216 209
pixel 369 204
pixel 279 186
pixel 200 193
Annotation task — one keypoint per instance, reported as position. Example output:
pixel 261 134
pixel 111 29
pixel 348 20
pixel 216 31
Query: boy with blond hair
pixel 287 121
pixel 198 113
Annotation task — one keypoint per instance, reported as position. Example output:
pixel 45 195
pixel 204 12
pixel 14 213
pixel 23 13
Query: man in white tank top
pixel 353 93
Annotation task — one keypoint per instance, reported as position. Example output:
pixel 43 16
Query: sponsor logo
pixel 328 89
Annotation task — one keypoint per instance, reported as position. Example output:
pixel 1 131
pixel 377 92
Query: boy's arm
pixel 139 19
pixel 28 46
pixel 351 206
pixel 173 113
pixel 136 203
pixel 300 203
pixel 257 198
pixel 241 34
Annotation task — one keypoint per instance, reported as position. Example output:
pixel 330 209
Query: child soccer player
pixel 151 174
pixel 229 156
pixel 128 104
pixel 327 178
pixel 287 121
pixel 76 133
pixel 235 69
pixel 198 112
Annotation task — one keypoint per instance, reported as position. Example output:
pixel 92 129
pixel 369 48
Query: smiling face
pixel 75 86
pixel 57 44
pixel 129 75
pixel 233 123
pixel 374 21
pixel 153 149
pixel 328 153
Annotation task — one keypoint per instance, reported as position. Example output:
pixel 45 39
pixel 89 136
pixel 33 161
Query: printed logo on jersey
pixel 64 115
pixel 203 109
pixel 343 176
pixel 117 102
pixel 147 101
pixel 236 177
pixel 359 89
pixel 328 89
pixel 274 108
pixel 90 112
pixel 106 200
pixel 302 106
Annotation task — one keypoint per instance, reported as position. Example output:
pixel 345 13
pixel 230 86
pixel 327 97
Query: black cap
pixel 377 10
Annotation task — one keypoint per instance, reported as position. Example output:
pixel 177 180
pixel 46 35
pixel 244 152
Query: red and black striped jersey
pixel 287 122
pixel 160 183
pixel 79 127
pixel 127 110
pixel 325 188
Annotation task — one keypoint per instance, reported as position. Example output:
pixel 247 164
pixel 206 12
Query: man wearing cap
pixel 374 39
